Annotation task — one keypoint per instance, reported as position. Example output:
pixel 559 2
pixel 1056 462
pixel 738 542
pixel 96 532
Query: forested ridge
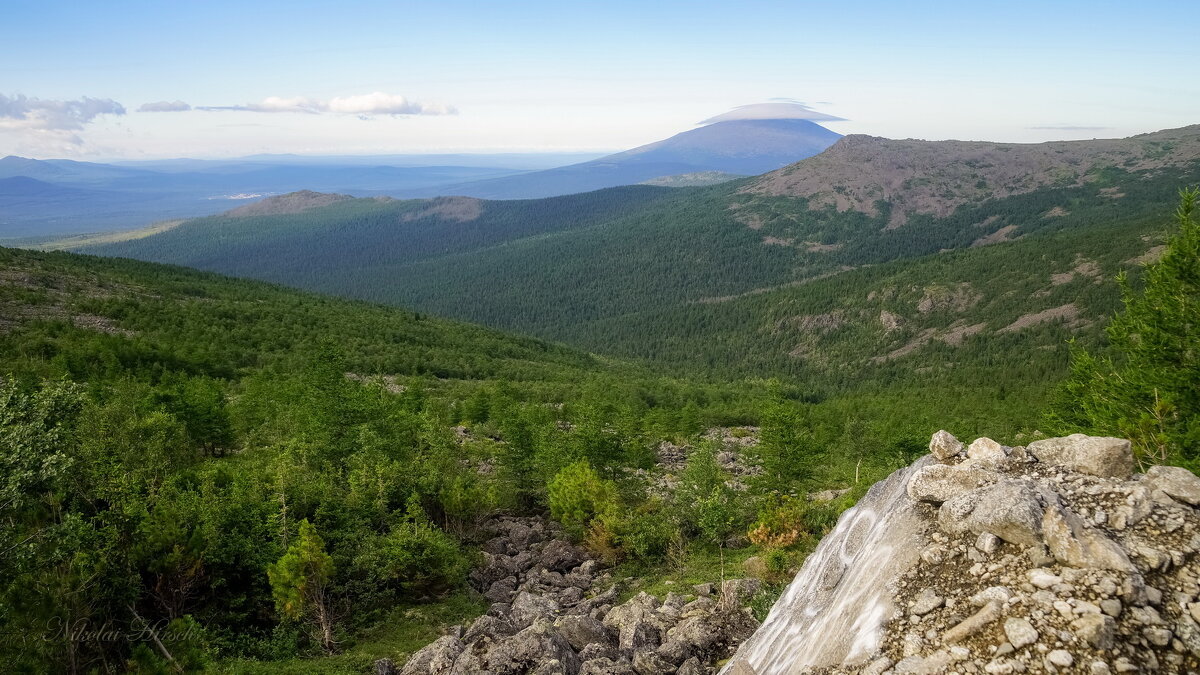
pixel 717 280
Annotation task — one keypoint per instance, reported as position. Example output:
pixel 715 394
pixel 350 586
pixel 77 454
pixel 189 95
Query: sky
pixel 134 80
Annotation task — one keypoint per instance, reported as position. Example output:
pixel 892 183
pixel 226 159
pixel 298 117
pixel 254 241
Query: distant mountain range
pixel 739 147
pixel 70 197
pixel 92 197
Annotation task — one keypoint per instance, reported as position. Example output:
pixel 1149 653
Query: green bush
pixel 578 496
pixel 778 564
pixel 706 505
pixel 418 558
pixel 647 532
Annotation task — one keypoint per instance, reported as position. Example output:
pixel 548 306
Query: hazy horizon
pixel 223 79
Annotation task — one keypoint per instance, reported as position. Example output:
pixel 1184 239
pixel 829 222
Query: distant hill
pixel 64 170
pixel 76 209
pixel 16 189
pixel 936 177
pixel 744 147
pixel 292 202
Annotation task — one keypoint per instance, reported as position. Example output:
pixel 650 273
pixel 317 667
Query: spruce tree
pixel 1148 389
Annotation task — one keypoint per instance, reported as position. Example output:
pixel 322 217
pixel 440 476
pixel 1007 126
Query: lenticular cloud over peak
pixel 779 110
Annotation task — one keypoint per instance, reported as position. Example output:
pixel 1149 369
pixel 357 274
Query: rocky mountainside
pixel 936 177
pixel 556 610
pixel 1054 557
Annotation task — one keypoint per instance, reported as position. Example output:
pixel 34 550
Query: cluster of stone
pixel 1050 558
pixel 735 456
pixel 555 611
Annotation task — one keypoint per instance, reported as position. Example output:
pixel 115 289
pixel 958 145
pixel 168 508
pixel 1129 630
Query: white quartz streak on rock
pixel 818 622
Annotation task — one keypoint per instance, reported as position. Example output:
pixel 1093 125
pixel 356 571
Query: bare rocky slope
pixel 556 611
pixel 1050 558
pixel 936 177
pixel 292 202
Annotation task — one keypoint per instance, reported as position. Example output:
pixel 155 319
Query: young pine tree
pixel 785 442
pixel 300 583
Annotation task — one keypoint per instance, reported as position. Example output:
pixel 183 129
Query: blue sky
pixel 574 76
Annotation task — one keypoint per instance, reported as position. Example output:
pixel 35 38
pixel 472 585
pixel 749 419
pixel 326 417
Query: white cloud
pixel 164 106
pixel 363 105
pixel 778 110
pixel 23 113
pixel 380 103
pixel 278 104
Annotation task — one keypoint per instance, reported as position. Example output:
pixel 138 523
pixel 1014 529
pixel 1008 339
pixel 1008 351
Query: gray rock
pixel 1096 455
pixel 738 591
pixel 674 601
pixel 925 602
pixel 944 446
pixel 987 542
pixel 435 658
pixel 606 666
pixel 1060 658
pixel 937 483
pixel 385 667
pixel 1159 637
pixel 1009 509
pixel 1000 594
pixel 559 556
pixel 934 664
pixel 1098 630
pixel 495 568
pixel 878 667
pixel 528 607
pixel 1074 543
pixel 530 648
pixel 490 627
pixel 551 667
pixel 986 452
pixel 582 630
pixel 502 590
pixel 597 650
pixel 650 663
pixel 1020 632
pixel 1177 482
pixel 635 625
pixel 675 651
pixel 1001 666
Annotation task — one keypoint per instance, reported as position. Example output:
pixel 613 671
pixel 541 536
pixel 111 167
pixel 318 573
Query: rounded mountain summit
pixel 746 141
